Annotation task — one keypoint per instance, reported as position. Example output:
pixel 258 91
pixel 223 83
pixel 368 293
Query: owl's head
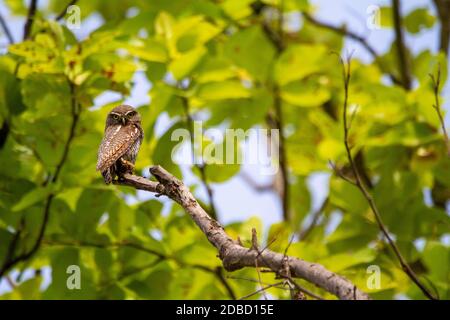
pixel 123 115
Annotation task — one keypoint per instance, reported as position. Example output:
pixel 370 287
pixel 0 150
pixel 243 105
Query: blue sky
pixel 234 199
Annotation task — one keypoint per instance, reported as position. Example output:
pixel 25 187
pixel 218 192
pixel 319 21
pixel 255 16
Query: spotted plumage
pixel 120 145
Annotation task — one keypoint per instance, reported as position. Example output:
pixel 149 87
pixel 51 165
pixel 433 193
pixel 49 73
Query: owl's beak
pixel 124 121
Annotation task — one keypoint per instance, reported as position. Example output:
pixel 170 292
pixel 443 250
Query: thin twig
pixel 304 233
pixel 256 248
pixel 249 279
pixel 64 11
pixel 6 29
pixel 256 186
pixel 262 289
pixel 283 162
pixel 346 72
pixel 291 240
pixel 354 36
pixel 304 290
pixel 10 282
pixel 8 264
pixel 30 19
pixel 280 285
pixel 436 81
pixel 223 280
pixel 12 247
pixel 280 124
pixel 344 32
pixel 285 270
pixel 339 173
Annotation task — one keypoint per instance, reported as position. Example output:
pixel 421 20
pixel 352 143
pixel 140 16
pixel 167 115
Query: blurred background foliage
pixel 233 64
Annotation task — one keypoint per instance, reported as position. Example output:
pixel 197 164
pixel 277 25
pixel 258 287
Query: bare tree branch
pixel 233 255
pixel 344 32
pixel 13 260
pixel 285 194
pixel 64 11
pixel 346 72
pixel 255 185
pixel 30 19
pixel 402 55
pixel 281 125
pixel 354 36
pixel 443 9
pixel 6 29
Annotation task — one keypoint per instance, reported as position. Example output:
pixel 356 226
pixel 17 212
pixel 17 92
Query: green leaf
pixel 342 261
pixel 27 290
pixel 186 63
pixel 193 32
pixel 156 285
pixel 407 133
pixel 167 146
pixel 121 220
pixel 386 20
pixel 223 90
pixel 419 19
pixel 437 258
pixel 215 70
pixel 223 160
pixel 47 95
pixel 237 9
pixel 91 205
pixel 148 50
pixel 305 94
pixel 251 50
pixel 199 253
pixel 10 97
pixel 71 196
pixel 299 61
pixel 221 173
pixel 34 196
pixel 243 230
pixel 347 197
pixel 279 236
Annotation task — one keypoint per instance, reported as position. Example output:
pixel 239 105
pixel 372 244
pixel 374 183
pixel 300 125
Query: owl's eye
pixel 115 116
pixel 131 114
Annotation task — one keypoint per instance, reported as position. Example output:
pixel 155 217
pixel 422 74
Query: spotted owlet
pixel 121 141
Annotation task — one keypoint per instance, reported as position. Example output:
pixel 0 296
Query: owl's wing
pixel 117 140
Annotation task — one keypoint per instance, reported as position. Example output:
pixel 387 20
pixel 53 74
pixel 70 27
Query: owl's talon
pixel 127 165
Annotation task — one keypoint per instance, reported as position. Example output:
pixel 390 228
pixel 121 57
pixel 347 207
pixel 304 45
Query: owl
pixel 121 141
